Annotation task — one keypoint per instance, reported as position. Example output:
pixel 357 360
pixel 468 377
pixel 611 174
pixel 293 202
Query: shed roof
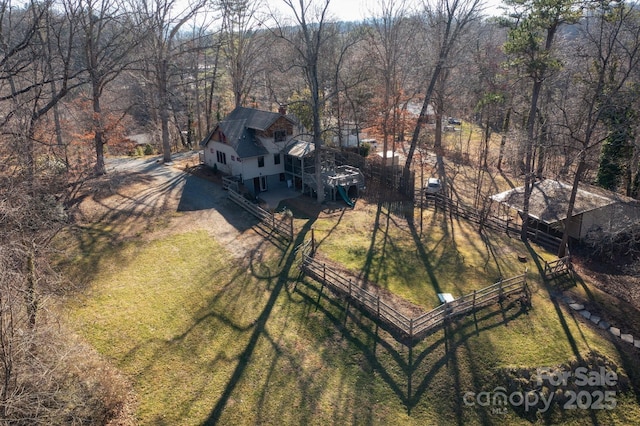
pixel 550 199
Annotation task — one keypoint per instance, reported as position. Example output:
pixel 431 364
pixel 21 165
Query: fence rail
pixel 471 214
pixel 426 323
pixel 282 227
pixel 230 183
pixel 544 239
pixel 496 223
pixel 558 267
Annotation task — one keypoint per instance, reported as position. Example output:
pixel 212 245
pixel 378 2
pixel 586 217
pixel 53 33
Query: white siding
pixel 232 166
pixel 251 169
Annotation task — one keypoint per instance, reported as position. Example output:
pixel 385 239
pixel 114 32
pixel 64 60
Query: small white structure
pixel 446 297
pixel 393 159
pixel 350 136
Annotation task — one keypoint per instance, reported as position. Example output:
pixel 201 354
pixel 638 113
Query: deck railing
pixel 282 227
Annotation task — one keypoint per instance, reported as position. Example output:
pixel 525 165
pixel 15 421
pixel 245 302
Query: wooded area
pixel 556 81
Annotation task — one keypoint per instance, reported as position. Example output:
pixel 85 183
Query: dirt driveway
pixel 145 198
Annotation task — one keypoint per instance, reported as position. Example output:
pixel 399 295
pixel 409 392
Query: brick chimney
pixel 282 109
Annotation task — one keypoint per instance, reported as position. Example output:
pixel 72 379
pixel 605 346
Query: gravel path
pixel 136 192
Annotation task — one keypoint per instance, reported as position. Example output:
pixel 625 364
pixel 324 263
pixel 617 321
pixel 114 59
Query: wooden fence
pixel 471 214
pixel 282 227
pixel 546 240
pixel 411 328
pixel 499 224
pixel 558 267
pixel 230 183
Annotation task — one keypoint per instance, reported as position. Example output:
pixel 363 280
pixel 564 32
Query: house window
pixel 276 158
pixel 221 157
pixel 260 161
pixel 280 135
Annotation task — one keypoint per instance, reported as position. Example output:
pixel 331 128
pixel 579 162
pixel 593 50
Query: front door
pixel 259 184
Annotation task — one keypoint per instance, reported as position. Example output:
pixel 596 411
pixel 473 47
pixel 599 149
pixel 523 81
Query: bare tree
pixel 606 56
pixel 394 56
pixel 109 37
pixel 448 19
pixel 307 40
pixel 243 45
pixel 165 23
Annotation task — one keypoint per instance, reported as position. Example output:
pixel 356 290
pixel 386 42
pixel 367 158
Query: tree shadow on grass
pixel 387 353
pixel 367 269
pixel 258 328
pixel 556 303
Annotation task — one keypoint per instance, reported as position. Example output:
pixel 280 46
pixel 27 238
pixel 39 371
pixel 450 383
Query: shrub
pixel 138 151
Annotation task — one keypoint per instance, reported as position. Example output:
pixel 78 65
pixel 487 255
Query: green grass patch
pixel 447 256
pixel 205 338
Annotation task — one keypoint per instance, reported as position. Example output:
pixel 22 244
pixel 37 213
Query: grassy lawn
pixel 208 339
pixel 447 256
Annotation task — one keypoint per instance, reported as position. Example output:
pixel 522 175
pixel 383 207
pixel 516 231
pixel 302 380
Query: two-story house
pixel 249 143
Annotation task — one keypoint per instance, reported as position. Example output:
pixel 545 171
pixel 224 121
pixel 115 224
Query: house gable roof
pixel 240 127
pixel 254 118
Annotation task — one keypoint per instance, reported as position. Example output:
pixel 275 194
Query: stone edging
pixel 596 320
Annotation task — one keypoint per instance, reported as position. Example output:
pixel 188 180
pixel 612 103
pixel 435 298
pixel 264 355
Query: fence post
pixel 291 225
pixel 313 242
pixel 378 306
pixel 349 287
pixel 411 329
pixel 474 300
pixel 324 272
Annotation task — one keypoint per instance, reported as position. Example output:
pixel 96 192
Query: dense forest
pixel 557 81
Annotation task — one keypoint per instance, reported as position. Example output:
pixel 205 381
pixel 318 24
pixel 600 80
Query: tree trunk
pixel 98 137
pixel 209 106
pixel 528 176
pixel 30 295
pixel 317 142
pixel 422 117
pixel 562 251
pixel 164 109
pixel 503 139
